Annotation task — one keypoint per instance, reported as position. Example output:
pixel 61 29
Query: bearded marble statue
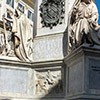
pixel 83 24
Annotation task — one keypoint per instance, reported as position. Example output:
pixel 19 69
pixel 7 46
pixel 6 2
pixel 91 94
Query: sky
pixel 98 6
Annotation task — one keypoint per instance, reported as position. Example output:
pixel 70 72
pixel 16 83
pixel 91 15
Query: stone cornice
pixel 31 64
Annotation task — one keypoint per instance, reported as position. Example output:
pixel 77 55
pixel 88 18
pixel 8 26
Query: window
pixel 21 7
pixel 10 2
pixel 98 6
pixel 30 15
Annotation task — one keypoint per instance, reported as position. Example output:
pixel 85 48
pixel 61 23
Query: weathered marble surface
pixel 13 80
pixel 46 80
pixel 94 73
pixel 83 73
pixel 48 47
pixel 31 81
pixel 70 4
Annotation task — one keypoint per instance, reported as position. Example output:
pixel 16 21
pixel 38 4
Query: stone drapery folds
pixel 83 24
pixel 20 35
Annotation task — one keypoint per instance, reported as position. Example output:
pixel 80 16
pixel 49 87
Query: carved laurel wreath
pixel 52 12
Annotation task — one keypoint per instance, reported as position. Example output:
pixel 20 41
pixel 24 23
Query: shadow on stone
pixel 5 99
pixel 65 40
pixel 55 93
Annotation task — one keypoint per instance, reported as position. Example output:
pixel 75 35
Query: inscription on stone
pixel 94 74
pixel 96 69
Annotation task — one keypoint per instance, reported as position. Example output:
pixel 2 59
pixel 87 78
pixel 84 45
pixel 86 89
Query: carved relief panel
pixel 16 36
pixel 48 82
pixel 6 44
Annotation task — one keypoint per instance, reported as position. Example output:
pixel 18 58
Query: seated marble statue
pixel 83 24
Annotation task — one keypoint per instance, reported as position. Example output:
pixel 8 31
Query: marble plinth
pixel 83 73
pixel 31 81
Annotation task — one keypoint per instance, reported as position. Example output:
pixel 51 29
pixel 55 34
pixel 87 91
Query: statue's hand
pixel 92 23
pixel 75 9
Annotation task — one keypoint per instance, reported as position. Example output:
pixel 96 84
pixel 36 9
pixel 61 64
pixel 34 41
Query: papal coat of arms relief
pixel 52 12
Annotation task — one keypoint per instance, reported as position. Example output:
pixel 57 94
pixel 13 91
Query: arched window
pixel 98 6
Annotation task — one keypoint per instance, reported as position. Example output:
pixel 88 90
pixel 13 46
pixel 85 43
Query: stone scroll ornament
pixel 52 12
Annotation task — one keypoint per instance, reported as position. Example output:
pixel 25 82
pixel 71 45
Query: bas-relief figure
pixel 83 24
pixel 17 35
pixel 45 81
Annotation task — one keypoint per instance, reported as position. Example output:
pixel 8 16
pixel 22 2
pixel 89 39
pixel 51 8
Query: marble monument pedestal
pixel 31 81
pixel 83 73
